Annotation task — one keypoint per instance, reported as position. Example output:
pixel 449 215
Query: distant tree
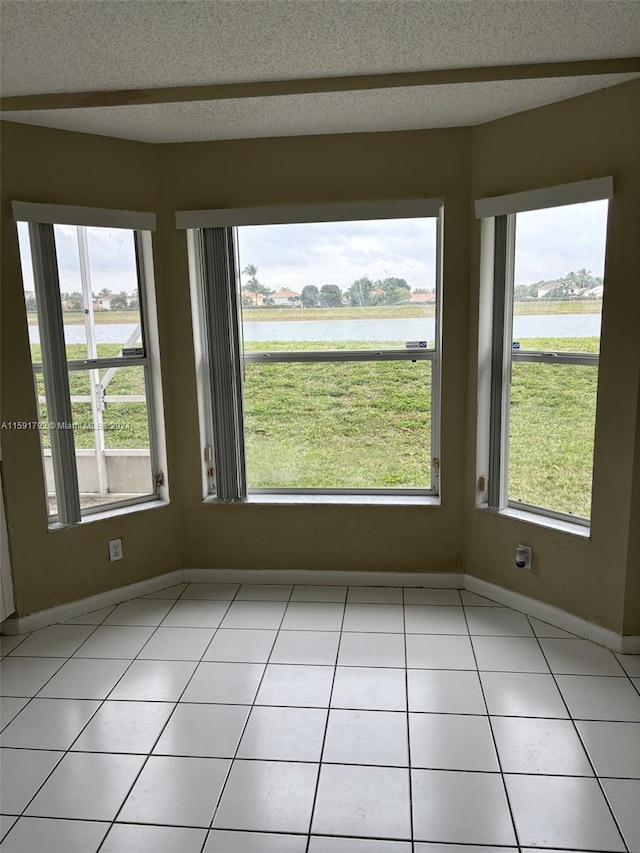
pixel 253 285
pixel 398 296
pixel 391 284
pixel 120 302
pixel 581 280
pixel 330 296
pixel 310 296
pixel 396 290
pixel 134 303
pixel 558 290
pixel 105 292
pixel 523 291
pixel 360 292
pixel 251 270
pixel 30 302
pixel 73 302
pixel 421 290
pixel 528 291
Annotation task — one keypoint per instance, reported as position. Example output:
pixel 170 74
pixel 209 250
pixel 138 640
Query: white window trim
pixel 204 341
pixel 496 355
pixel 97 217
pixel 286 215
pixel 41 219
pixel 596 189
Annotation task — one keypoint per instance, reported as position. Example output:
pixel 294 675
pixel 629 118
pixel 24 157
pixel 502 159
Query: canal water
pixel 399 329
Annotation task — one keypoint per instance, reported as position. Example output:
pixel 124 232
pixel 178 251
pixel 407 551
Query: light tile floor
pixel 212 718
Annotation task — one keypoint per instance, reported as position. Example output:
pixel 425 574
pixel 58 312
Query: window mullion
pixel 436 365
pixel 504 241
pixel 56 378
pixel 585 359
pixel 302 356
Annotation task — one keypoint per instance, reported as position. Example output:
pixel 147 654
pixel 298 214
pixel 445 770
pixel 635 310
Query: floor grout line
pixel 584 746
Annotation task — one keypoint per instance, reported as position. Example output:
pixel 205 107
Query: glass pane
pixel 74 305
pixel 558 278
pixel 111 433
pixel 338 285
pixel 29 291
pixel 45 440
pixel 552 425
pixel 114 284
pixel 338 425
pixel 101 310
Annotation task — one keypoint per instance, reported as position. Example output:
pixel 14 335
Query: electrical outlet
pixel 523 557
pixel 115 549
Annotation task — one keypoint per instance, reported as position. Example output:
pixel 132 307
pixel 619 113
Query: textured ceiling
pixel 55 46
pixel 337 112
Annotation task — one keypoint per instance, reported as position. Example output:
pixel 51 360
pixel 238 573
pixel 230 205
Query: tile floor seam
pixel 66 751
pixel 114 820
pixel 102 703
pixel 409 762
pixel 326 725
pixel 586 751
pixel 495 743
pixel 246 722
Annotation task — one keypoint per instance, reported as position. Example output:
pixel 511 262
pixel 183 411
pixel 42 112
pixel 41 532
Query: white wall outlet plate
pixel 115 549
pixel 523 557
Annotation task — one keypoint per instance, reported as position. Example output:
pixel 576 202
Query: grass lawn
pixel 368 424
pixel 75 318
pixel 372 312
pixel 349 425
pixel 125 424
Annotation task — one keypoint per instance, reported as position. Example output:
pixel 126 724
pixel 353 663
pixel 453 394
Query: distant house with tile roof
pixel 284 297
pixel 422 298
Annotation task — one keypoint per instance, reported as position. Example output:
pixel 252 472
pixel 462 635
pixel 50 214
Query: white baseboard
pixel 442 580
pixel 554 616
pixel 24 624
pixel 630 645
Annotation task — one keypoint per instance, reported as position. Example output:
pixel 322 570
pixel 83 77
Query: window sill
pixel 112 512
pixel 562 526
pixel 326 499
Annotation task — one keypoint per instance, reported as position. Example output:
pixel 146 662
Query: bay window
pixel 318 348
pixel 542 288
pixel 88 286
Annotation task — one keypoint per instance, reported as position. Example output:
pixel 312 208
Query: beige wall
pixel 632 596
pixel 589 578
pixel 323 169
pixel 51 567
pixel 586 137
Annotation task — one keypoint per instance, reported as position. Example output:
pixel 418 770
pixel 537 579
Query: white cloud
pixel 340 252
pixel 551 243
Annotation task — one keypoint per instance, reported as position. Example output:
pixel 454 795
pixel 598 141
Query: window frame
pixel 196 223
pixel 56 368
pixel 496 354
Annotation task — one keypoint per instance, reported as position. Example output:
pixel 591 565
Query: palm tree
pixel 253 285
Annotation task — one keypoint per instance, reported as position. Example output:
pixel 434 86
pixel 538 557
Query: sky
pixel 549 244
pixel 112 261
pixel 293 256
